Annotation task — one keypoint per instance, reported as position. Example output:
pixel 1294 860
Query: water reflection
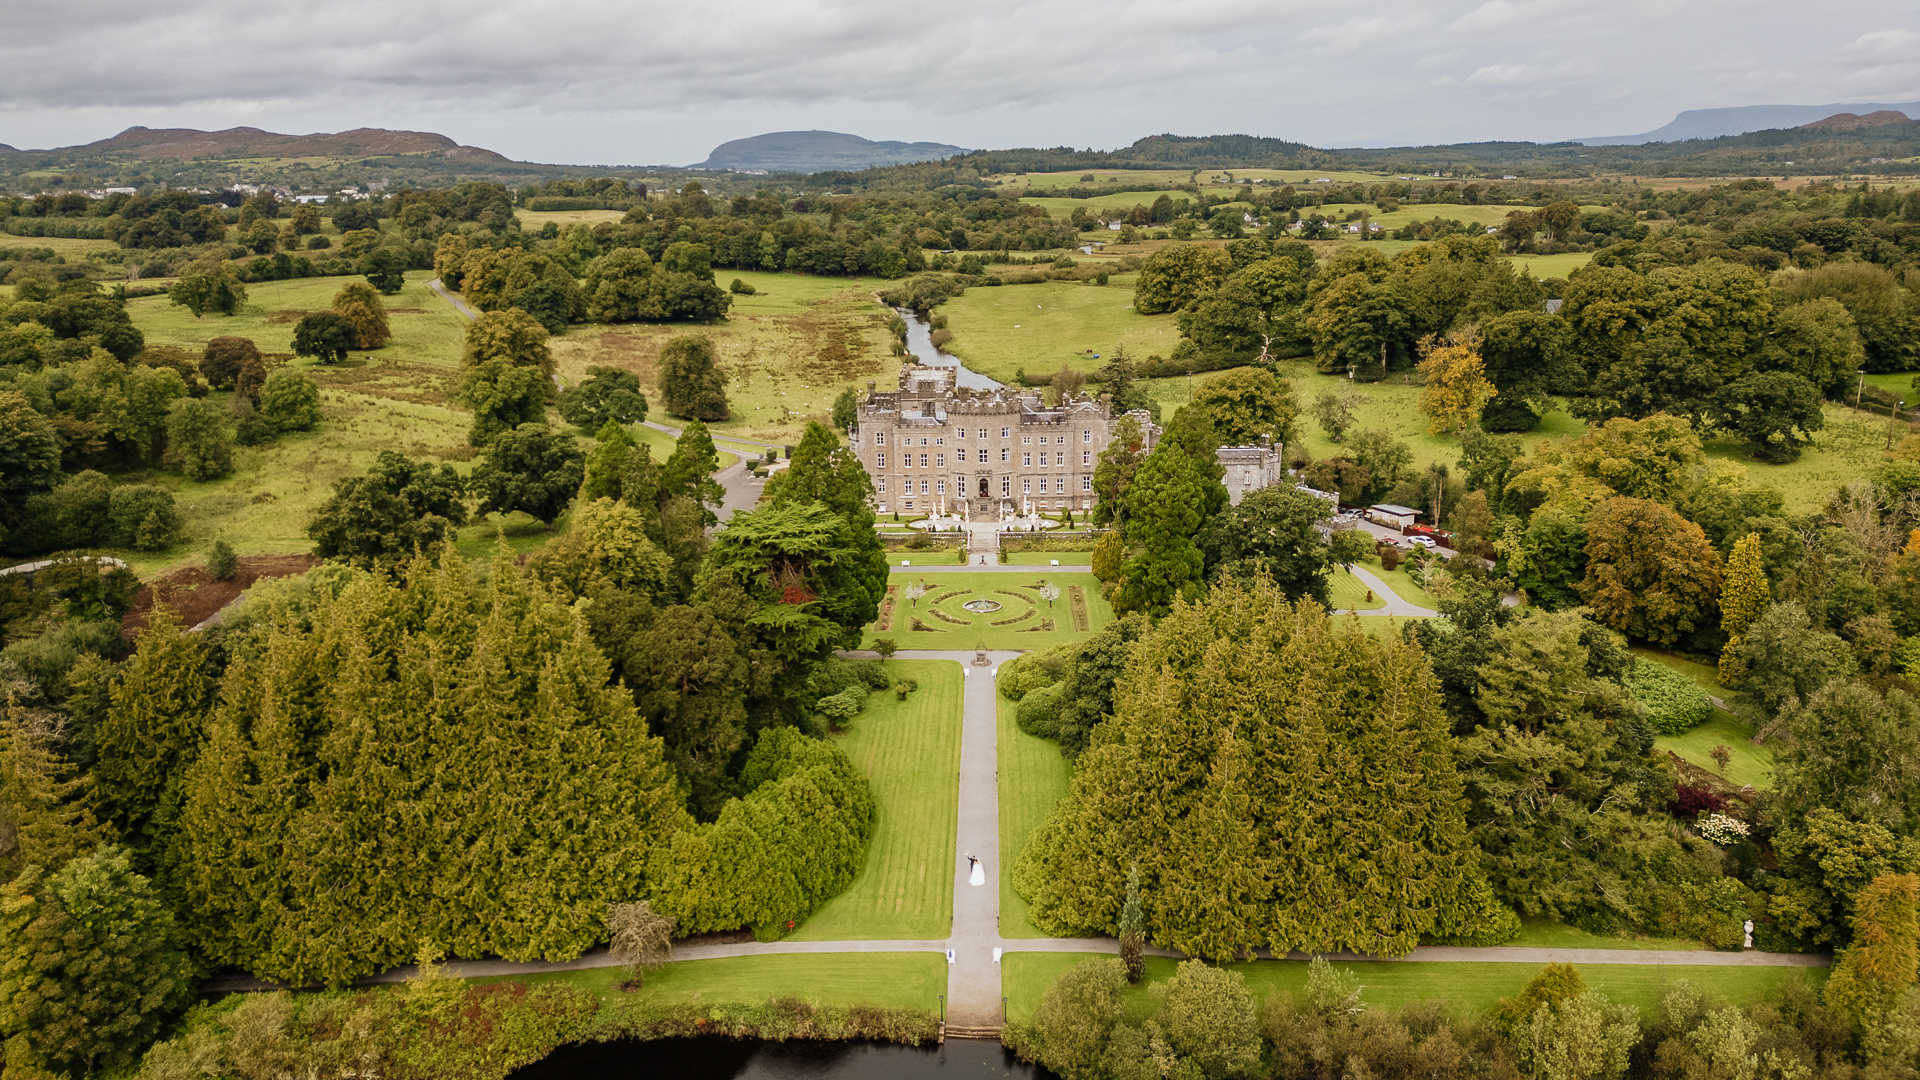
pixel 920 344
pixel 729 1059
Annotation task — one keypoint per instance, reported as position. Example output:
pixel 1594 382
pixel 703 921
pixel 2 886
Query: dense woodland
pixel 493 753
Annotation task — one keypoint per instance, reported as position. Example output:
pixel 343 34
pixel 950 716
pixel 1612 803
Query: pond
pixel 729 1059
pixel 982 607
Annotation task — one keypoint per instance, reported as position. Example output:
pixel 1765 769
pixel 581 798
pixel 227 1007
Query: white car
pixel 1423 542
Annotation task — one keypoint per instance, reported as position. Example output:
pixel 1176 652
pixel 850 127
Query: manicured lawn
pixel 1046 558
pixel 1033 777
pixel 1345 591
pixel 1402 585
pixel 1751 763
pixel 910 753
pixel 930 557
pixel 1020 608
pixel 895 980
pixel 1042 327
pixel 1470 988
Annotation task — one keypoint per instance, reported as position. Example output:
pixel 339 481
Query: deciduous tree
pixel 383 515
pixel 690 384
pixel 1650 572
pixel 360 305
pixel 326 337
pixel 1742 600
pixel 1457 389
pixel 529 469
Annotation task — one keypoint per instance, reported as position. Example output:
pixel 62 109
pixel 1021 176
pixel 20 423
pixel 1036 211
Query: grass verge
pixel 1033 777
pixel 910 753
pixel 893 980
pixel 1346 591
pixel 1469 987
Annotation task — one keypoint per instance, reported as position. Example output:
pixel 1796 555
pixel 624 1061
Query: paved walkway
pixel 459 305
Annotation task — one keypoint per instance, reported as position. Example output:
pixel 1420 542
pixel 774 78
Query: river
pixel 920 344
pixel 728 1059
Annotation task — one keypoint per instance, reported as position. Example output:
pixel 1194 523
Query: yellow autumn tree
pixel 1742 599
pixel 1457 385
pixel 360 305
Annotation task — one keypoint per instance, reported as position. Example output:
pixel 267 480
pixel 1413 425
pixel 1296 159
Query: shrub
pixel 290 401
pixel 222 563
pixel 740 288
pixel 1391 557
pixel 142 517
pixel 1674 704
pixel 842 707
pixel 1037 710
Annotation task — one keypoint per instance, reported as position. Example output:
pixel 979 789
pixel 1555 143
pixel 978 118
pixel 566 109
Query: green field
pixel 892 980
pixel 1470 988
pixel 73 250
pixel 910 753
pixel 957 628
pixel 1402 585
pixel 1046 558
pixel 787 351
pixel 534 220
pixel 1751 763
pixel 1042 327
pixel 1033 777
pixel 1551 266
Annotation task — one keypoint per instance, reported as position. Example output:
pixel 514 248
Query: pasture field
pixel 787 351
pixel 1026 620
pixel 72 249
pixel 393 399
pixel 892 980
pixel 534 220
pixel 1469 988
pixel 1040 327
pixel 1033 777
pixel 910 753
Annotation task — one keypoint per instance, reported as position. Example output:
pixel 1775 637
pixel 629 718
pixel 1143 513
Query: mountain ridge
pixel 185 144
pixel 819 151
pixel 1742 120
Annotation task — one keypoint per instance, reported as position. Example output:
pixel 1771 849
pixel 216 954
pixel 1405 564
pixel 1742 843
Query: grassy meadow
pixel 1041 327
pixel 910 753
pixel 1033 777
pixel 1027 622
pixel 788 351
pixel 1469 988
pixel 1751 763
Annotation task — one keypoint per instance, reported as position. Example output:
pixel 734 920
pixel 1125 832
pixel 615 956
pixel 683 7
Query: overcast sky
pixel 605 82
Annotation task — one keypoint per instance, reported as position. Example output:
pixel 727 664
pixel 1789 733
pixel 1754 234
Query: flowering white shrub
pixel 1721 829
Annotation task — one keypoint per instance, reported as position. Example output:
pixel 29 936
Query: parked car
pixel 1423 542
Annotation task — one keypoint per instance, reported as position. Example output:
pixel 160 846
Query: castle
pixel 930 447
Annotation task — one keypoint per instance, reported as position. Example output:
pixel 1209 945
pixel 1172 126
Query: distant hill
pixel 244 142
pixel 1847 121
pixel 820 151
pixel 1713 123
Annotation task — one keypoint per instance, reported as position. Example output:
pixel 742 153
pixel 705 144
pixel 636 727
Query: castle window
pixel 1086 436
pixel 940 488
pixel 983 433
pixel 940 460
pixel 1003 453
pixel 879 438
pixel 1026 440
pixel 923 461
pixel 983 455
pixel 1086 483
pixel 879 461
pixel 1004 432
pixel 1026 486
pixel 1026 461
pixel 1006 486
pixel 880 485
pixel 923 487
pixel 939 442
pixel 1086 457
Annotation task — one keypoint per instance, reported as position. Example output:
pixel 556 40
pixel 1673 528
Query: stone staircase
pixel 957 1031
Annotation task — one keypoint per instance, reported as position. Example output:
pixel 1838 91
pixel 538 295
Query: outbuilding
pixel 1393 517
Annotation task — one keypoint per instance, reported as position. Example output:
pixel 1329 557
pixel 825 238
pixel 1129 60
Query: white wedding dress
pixel 979 875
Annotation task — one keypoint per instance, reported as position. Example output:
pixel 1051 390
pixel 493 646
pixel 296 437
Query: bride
pixel 978 874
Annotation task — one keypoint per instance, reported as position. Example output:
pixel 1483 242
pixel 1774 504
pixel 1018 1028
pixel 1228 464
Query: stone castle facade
pixel 985 454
